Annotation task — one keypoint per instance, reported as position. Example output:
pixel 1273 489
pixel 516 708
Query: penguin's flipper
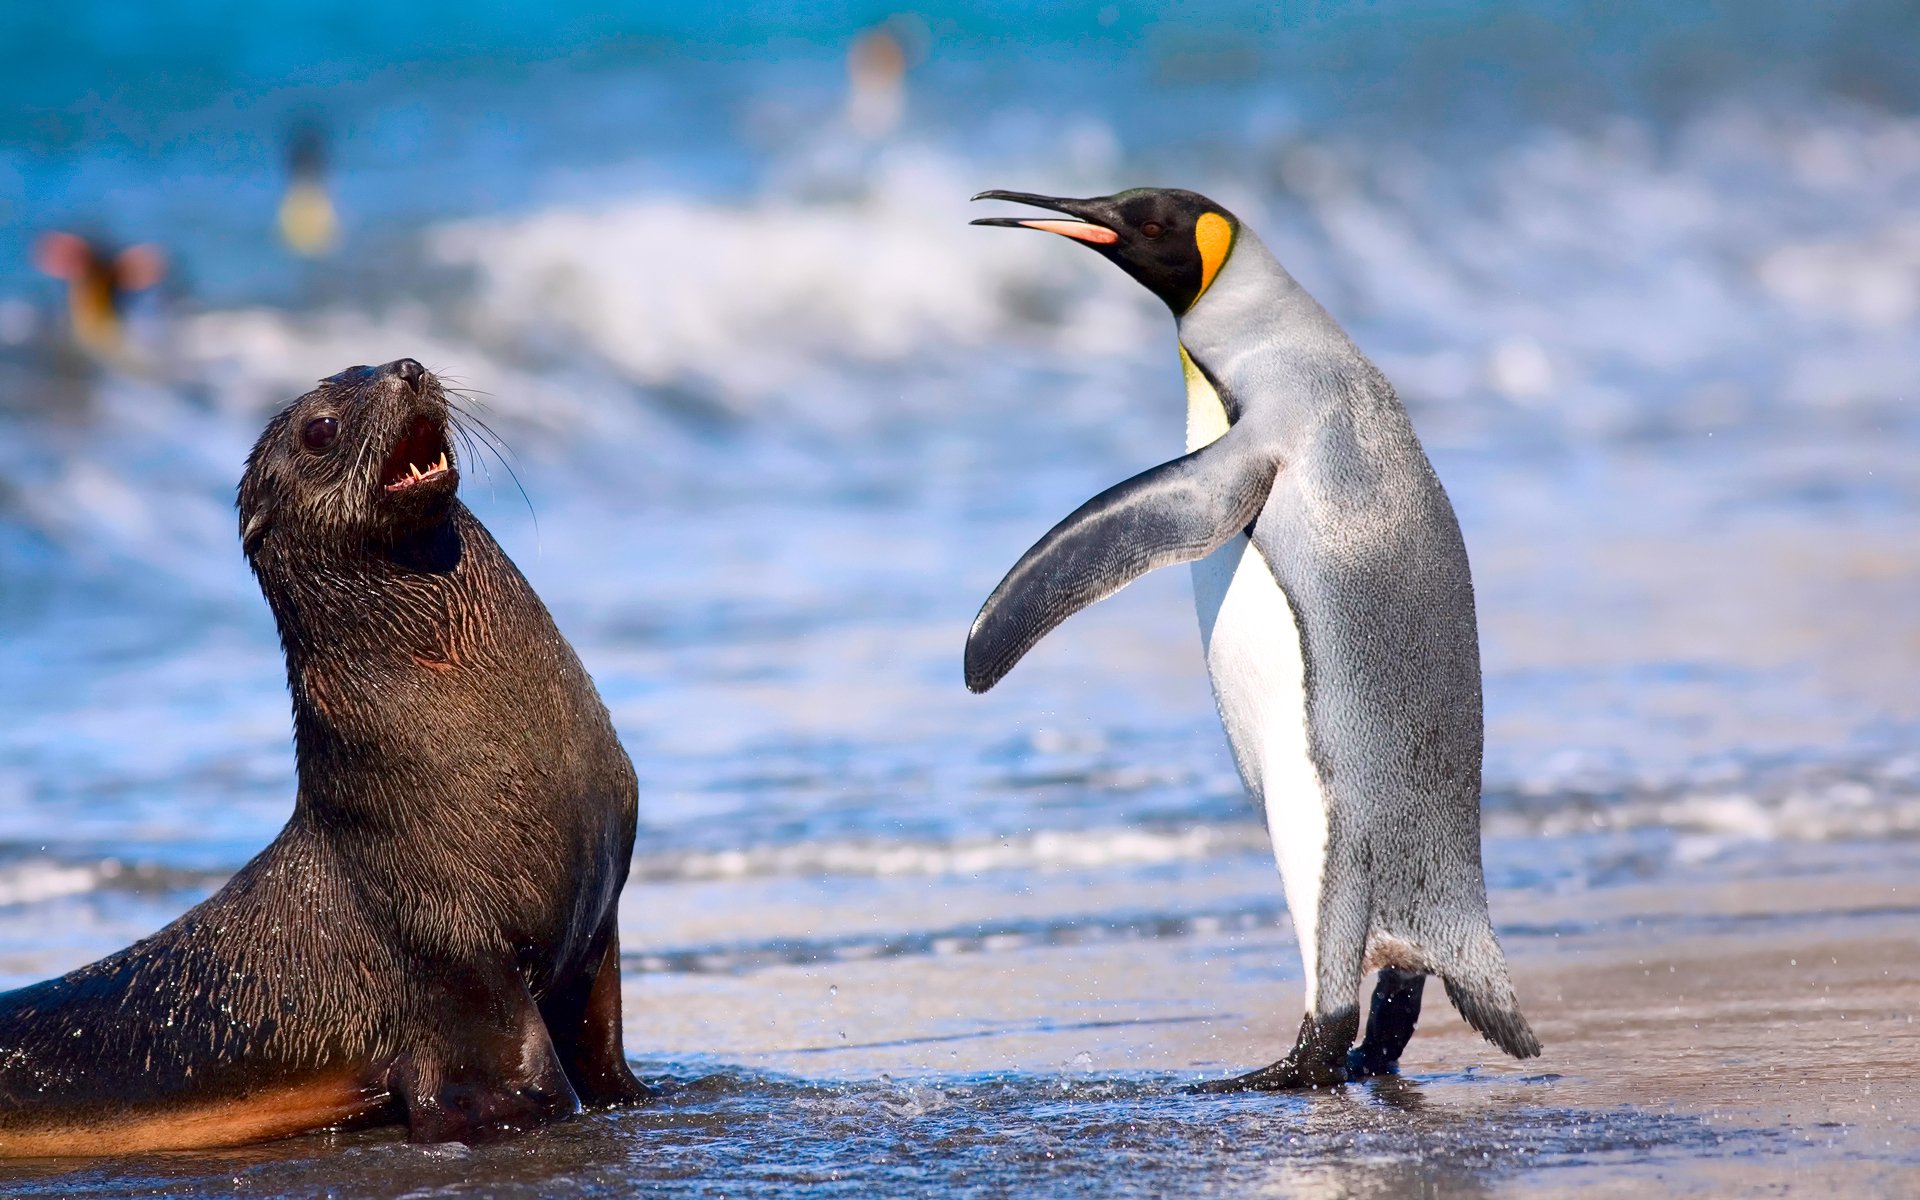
pixel 1177 512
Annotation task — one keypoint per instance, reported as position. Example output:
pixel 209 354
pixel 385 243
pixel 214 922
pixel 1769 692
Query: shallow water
pixel 781 419
pixel 760 1136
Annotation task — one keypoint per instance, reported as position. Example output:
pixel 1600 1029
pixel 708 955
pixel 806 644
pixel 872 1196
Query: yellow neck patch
pixel 1206 415
pixel 1214 235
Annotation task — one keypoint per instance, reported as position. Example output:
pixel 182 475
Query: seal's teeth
pixel 442 464
pixel 414 469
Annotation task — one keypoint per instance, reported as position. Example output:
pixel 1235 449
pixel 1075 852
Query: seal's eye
pixel 1153 229
pixel 320 433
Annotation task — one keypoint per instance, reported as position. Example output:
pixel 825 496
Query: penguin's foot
pixel 1318 1060
pixel 1390 1022
pixel 1367 1060
pixel 1287 1075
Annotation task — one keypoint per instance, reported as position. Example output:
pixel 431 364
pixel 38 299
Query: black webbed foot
pixel 1390 1021
pixel 1318 1060
pixel 1287 1075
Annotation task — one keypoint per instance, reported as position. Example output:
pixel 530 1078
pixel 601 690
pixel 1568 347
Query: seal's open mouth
pixel 420 455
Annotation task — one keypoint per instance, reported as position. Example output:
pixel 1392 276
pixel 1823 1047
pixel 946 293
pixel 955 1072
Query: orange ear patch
pixel 62 255
pixel 1214 235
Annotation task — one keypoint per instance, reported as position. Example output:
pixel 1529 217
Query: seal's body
pixel 432 936
pixel 1336 612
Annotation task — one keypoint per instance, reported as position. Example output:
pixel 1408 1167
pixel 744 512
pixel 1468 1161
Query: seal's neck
pixel 410 656
pixel 371 601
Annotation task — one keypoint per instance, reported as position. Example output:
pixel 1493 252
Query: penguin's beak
pixel 1083 227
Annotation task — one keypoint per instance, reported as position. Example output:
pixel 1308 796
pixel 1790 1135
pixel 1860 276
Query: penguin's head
pixel 1172 241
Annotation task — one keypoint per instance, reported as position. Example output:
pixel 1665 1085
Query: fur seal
pixel 1336 614
pixel 432 936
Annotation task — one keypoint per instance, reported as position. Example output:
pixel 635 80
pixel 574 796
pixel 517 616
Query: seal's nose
pixel 409 370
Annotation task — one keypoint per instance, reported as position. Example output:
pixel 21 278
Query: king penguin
pixel 308 223
pixel 1336 615
pixel 99 280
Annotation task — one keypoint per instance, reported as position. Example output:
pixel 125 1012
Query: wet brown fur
pixel 433 933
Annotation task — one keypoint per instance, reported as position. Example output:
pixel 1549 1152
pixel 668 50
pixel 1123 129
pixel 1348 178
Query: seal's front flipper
pixel 489 1068
pixel 1318 1059
pixel 1390 1022
pixel 1177 512
pixel 584 1018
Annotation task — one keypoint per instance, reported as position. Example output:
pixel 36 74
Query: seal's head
pixel 363 460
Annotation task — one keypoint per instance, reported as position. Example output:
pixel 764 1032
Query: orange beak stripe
pixel 1084 231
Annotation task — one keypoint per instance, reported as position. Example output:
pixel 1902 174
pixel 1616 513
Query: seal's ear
pixel 254 533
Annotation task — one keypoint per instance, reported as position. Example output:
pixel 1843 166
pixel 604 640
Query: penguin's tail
pixel 1478 984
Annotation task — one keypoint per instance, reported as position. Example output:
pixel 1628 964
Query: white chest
pixel 1252 647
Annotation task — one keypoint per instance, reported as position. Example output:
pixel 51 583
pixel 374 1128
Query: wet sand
pixel 1742 1027
pixel 1734 1020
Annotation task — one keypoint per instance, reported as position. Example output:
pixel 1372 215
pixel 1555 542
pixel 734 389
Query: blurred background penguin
pixel 877 64
pixel 308 224
pixel 99 279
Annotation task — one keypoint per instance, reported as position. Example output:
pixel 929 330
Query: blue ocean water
pixel 776 419
pixel 709 310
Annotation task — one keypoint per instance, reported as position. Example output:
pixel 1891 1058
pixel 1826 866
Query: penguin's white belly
pixel 1253 655
pixel 1259 682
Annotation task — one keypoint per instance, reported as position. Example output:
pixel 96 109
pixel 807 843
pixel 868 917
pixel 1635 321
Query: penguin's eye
pixel 320 433
pixel 1153 229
